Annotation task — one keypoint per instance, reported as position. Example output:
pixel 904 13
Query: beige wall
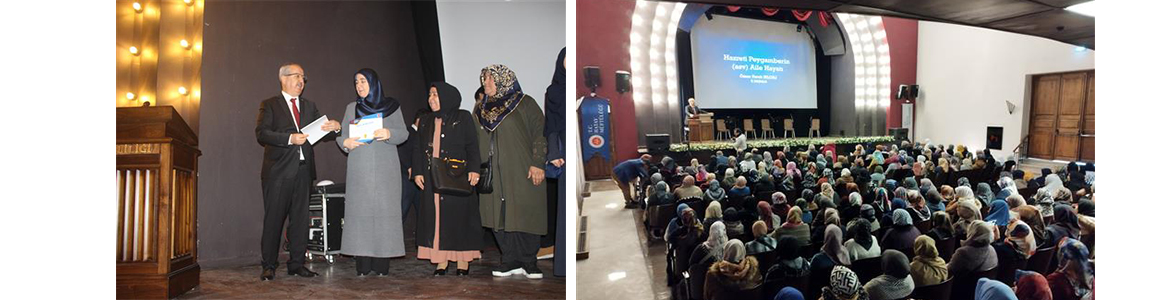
pixel 162 65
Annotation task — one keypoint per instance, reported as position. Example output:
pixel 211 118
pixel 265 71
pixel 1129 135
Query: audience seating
pixel 1041 261
pixel 695 277
pixel 657 218
pixel 1027 192
pixel 946 248
pixel 924 226
pixel 868 268
pixel 1007 271
pixel 766 260
pixel 964 286
pixel 941 291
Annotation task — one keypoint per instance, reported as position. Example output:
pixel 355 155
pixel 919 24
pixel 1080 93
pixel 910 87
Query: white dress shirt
pixel 288 103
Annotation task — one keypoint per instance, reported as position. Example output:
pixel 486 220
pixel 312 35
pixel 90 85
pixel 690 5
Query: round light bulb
pixel 182 90
pixel 188 2
pixel 137 7
pixel 133 50
pixel 129 96
pixel 183 43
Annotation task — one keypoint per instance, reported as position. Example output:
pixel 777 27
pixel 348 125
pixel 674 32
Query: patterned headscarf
pixel 716 239
pixel 1074 252
pixel 1019 236
pixel 493 109
pixel 843 284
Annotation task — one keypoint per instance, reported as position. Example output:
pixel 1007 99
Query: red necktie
pixel 296 112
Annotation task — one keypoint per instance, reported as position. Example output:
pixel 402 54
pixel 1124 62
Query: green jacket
pixel 520 144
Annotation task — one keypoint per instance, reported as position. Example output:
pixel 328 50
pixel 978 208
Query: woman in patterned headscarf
pixel 843 285
pixel 511 139
pixel 1074 278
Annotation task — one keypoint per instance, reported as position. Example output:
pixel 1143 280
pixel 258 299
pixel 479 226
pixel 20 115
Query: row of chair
pixel 766 128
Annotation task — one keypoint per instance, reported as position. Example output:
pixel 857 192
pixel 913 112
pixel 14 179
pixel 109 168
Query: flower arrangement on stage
pixel 776 143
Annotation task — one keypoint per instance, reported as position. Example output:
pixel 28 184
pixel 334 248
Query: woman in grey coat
pixel 373 212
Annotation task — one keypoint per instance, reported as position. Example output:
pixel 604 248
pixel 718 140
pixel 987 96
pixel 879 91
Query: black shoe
pixel 631 204
pixel 302 272
pixel 440 272
pixel 507 269
pixel 533 272
pixel 268 274
pixel 460 272
pixel 363 274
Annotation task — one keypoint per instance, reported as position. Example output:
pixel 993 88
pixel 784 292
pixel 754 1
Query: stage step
pixel 583 237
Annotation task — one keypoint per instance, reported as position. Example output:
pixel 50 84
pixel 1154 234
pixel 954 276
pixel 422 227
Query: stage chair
pixel 766 126
pixel 789 127
pixel 747 127
pixel 815 125
pixel 721 127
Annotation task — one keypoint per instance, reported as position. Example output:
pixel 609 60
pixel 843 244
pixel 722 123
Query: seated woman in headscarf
pixel 927 268
pixel 1032 286
pixel 764 188
pixel 948 194
pixel 851 207
pixel 683 234
pixel 828 215
pixel 1064 224
pixel 661 196
pixel 895 281
pixel 1016 246
pixel 991 289
pixel 763 242
pixel 669 169
pixel 1073 278
pixel 1014 203
pixel 968 214
pixel 861 244
pixel 788 293
pixel 732 219
pixel 714 193
pixel 740 189
pixel 793 227
pixel 843 284
pixel 1031 216
pixel 711 250
pixel 976 254
pixel 764 213
pixel 998 215
pixel 918 211
pixel 832 254
pixel 652 185
pixel 712 214
pixel 901 236
pixel 935 201
pixel 984 194
pixel 728 179
pixel 736 272
pixel 789 263
pixel 806 215
pixel 688 190
pixel 942 228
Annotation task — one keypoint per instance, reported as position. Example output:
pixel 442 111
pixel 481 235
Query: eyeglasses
pixel 298 76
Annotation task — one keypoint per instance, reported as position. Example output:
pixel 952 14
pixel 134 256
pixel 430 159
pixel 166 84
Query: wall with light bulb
pixel 159 55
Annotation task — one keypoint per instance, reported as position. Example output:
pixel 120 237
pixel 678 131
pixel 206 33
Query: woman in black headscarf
pixel 374 179
pixel 448 225
pixel 554 132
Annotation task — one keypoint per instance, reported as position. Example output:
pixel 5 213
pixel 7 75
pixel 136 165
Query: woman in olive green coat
pixel 516 210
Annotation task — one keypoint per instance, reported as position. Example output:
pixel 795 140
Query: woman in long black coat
pixel 447 132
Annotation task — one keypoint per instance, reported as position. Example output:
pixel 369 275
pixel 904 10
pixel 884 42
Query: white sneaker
pixel 516 271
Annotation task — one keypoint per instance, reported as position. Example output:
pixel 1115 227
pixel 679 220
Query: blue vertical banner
pixel 595 127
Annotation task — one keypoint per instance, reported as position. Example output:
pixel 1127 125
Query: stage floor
pixel 409 278
pixel 778 142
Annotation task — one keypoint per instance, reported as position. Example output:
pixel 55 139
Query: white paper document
pixel 363 129
pixel 313 130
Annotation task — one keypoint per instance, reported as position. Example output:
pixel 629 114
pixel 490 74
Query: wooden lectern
pixel 157 155
pixel 702 128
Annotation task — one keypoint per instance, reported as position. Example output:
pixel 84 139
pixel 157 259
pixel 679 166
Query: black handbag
pixel 484 186
pixel 450 176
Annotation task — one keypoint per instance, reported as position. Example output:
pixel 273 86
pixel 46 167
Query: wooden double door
pixel 1061 125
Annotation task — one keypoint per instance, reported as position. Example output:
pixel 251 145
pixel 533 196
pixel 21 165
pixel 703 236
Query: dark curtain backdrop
pixel 245 42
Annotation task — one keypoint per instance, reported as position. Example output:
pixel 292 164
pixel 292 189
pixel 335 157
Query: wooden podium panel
pixel 702 128
pixel 157 163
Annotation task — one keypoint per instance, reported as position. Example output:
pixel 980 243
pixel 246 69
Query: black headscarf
pixel 554 99
pixel 1086 207
pixel 789 248
pixel 374 102
pixel 449 100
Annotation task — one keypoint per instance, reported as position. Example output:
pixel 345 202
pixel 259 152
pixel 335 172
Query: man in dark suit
pixel 288 171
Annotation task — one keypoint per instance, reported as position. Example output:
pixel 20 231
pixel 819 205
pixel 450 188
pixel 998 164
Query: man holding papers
pixel 288 171
pixel 373 176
